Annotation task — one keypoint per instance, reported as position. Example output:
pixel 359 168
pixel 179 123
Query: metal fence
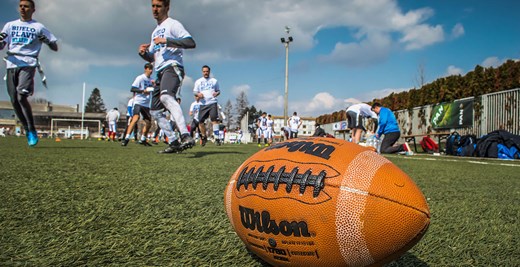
pixel 496 111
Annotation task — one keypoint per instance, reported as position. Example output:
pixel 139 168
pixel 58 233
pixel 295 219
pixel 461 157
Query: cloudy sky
pixel 343 51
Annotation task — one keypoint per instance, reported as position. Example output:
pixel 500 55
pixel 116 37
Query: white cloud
pixel 457 31
pixel 374 48
pixel 271 102
pixel 420 36
pixel 452 70
pixel 237 89
pixel 492 62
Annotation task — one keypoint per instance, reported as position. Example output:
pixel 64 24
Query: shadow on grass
pixel 70 147
pixel 407 260
pixel 200 154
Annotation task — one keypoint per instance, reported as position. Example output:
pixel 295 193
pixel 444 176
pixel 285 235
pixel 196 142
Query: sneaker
pixel 144 143
pixel 125 142
pixel 259 145
pixel 407 149
pixel 174 147
pixel 266 144
pixel 32 138
pixel 187 141
pixel 204 140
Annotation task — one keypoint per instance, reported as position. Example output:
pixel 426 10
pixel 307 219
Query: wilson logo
pixel 263 223
pixel 314 149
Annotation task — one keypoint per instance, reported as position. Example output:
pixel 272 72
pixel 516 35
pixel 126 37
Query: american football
pixel 325 202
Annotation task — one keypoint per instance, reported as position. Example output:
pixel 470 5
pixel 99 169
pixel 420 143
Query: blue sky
pixel 343 51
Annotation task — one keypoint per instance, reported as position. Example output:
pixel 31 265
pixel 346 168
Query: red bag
pixel 428 145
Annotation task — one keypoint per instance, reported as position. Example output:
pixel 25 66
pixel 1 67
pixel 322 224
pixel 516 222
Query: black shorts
pixel 210 111
pixel 168 82
pixel 194 124
pixel 355 121
pixel 143 111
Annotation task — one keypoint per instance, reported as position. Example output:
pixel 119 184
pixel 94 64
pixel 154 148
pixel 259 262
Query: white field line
pixel 441 158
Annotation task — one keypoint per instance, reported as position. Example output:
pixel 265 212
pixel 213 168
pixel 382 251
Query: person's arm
pixel 217 90
pixel 383 117
pixel 3 35
pixel 48 38
pixel 185 43
pixel 135 90
pixel 145 54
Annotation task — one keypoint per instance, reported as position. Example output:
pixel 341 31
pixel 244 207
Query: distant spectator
pixel 319 132
pixel 294 123
pixel 355 116
pixel 389 127
pixel 112 118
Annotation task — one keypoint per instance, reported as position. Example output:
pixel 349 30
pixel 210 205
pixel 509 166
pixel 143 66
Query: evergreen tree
pixel 95 103
pixel 228 111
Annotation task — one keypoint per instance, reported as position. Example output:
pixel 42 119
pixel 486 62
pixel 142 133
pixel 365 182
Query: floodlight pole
pixel 286 96
pixel 82 111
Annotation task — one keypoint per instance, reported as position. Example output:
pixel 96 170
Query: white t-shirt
pixel 262 123
pixel 194 109
pixel 270 123
pixel 294 123
pixel 166 56
pixel 142 82
pixel 207 87
pixel 363 109
pixel 112 116
pixel 23 43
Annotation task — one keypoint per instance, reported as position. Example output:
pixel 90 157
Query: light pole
pixel 286 44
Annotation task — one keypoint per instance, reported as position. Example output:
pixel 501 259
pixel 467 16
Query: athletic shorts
pixel 112 126
pixel 143 111
pixel 168 82
pixel 355 121
pixel 194 124
pixel 210 111
pixel 20 81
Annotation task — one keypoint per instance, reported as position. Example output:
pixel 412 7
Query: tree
pixel 241 105
pixel 228 111
pixel 95 103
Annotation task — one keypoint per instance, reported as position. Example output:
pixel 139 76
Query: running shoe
pixel 144 143
pixel 174 147
pixel 187 141
pixel 32 138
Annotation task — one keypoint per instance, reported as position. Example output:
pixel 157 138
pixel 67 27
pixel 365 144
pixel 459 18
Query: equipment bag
pixel 428 145
pixel 452 143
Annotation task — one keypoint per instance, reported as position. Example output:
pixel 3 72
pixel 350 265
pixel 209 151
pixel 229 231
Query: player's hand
pixel 143 48
pixel 149 89
pixel 3 35
pixel 44 39
pixel 159 40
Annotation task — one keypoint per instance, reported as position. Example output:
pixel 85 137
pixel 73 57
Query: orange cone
pixel 58 139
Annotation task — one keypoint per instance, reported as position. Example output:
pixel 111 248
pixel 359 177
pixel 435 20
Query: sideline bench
pixel 440 136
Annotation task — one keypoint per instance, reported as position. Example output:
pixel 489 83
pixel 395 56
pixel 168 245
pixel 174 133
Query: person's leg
pixel 387 145
pixel 164 125
pixel 20 85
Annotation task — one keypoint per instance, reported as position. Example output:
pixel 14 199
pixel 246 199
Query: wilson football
pixel 324 202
